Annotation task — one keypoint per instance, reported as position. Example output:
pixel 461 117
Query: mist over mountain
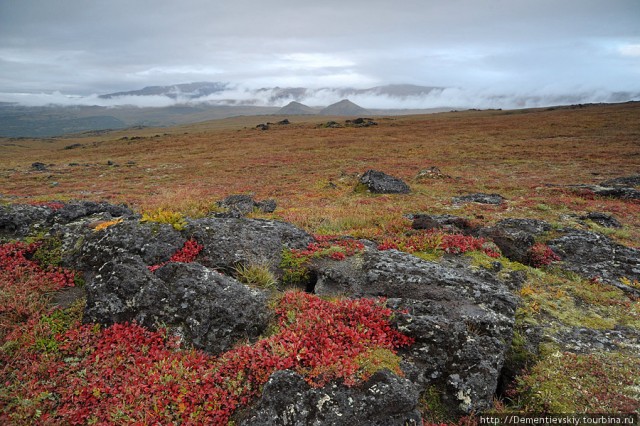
pixel 176 91
pixel 393 96
pixel 52 114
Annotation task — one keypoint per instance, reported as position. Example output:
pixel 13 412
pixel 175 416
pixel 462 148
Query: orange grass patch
pixel 525 155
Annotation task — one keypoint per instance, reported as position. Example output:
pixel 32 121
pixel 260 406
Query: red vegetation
pixel 433 241
pixel 542 255
pixel 187 254
pixel 56 371
pixel 332 246
pixel 22 282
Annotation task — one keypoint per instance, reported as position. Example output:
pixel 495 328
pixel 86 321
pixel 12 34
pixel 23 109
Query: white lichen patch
pixel 322 401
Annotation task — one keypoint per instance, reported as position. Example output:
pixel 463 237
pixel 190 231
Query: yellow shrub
pixel 165 216
pixel 104 225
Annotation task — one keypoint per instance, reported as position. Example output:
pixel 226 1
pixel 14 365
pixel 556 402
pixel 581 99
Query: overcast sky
pixel 80 47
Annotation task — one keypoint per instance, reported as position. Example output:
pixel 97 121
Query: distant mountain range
pixel 185 91
pixel 225 93
pixel 176 104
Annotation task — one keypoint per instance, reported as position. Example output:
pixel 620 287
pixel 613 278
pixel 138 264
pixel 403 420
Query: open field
pixel 533 158
pixel 528 156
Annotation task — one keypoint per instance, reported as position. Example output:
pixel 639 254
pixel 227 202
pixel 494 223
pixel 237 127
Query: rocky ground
pixel 485 306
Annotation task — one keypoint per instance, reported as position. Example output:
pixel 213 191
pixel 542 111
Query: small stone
pixel 480 198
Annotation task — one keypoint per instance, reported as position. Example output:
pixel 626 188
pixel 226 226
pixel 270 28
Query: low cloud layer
pixel 372 98
pixel 483 51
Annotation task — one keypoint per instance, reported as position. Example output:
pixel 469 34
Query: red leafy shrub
pixel 186 254
pixel 431 241
pixel 127 374
pixel 332 246
pixel 295 262
pixel 22 284
pixel 541 255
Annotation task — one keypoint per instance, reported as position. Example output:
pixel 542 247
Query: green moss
pixel 49 253
pixel 433 256
pixel 378 359
pixel 601 383
pixel 58 322
pixel 434 411
pixel 519 356
pixel 481 259
pixel 294 271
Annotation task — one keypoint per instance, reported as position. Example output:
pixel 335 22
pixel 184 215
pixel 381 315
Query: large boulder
pixel 209 310
pixel 384 400
pixel 231 241
pixel 462 321
pixel 595 256
pixel 382 183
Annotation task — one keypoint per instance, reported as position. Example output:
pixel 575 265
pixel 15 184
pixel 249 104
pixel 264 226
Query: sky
pixel 69 51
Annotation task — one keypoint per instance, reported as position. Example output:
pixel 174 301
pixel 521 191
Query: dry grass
pixel 311 171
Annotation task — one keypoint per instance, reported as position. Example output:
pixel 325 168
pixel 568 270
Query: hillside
pixel 344 107
pixel 296 108
pixel 506 242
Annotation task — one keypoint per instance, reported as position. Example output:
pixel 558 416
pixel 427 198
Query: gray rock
pixel 21 220
pixel 228 241
pixel 40 167
pixel 515 237
pixel 462 321
pixel 602 219
pixel 625 181
pixel 587 340
pixel 432 172
pixel 208 310
pixel 382 183
pixel 266 206
pixel 153 242
pixel 617 192
pixel 479 198
pixel 75 210
pixel 595 256
pixel 446 222
pixel 240 205
pixel 614 191
pixel 384 400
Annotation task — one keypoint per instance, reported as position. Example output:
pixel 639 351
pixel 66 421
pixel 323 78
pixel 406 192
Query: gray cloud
pixel 474 47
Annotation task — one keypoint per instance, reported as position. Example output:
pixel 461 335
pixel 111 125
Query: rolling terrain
pixel 546 164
